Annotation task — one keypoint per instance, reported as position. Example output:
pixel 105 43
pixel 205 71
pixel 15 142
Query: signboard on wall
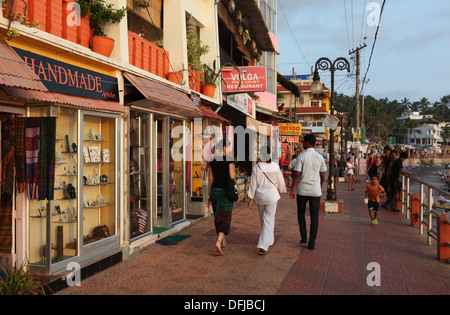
pixel 253 79
pixel 290 129
pixel 65 78
pixel 242 102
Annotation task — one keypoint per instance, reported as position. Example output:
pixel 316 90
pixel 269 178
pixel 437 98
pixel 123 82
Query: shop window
pixel 99 220
pixel 140 171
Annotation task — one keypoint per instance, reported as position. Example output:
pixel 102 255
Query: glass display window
pixel 99 174
pixel 57 218
pixel 140 174
pixel 82 212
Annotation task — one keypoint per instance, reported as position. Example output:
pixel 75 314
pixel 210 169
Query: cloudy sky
pixel 411 57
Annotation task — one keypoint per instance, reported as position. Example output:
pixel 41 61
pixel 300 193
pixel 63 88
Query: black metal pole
pixel 326 64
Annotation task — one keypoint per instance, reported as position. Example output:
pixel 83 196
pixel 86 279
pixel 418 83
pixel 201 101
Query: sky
pixel 411 56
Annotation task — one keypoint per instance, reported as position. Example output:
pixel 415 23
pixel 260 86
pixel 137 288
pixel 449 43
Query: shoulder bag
pixel 232 190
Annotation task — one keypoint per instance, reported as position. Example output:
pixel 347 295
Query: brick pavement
pixel 346 244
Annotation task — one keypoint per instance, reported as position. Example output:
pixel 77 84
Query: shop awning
pixel 161 98
pixel 211 114
pixel 39 97
pixel 259 127
pixel 14 72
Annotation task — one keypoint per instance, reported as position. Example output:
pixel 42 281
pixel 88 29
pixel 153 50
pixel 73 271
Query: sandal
pixel 261 251
pixel 218 248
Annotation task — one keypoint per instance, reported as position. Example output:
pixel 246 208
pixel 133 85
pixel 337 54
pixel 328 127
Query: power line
pixel 295 40
pixel 373 45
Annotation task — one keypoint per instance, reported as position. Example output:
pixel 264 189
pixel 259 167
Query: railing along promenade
pixel 424 210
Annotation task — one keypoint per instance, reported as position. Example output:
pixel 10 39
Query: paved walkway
pixel 346 244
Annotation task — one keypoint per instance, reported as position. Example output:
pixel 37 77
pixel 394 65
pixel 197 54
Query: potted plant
pixel 101 14
pixel 195 49
pixel 211 75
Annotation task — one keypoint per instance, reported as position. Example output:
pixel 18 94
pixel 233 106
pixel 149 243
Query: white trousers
pixel 267 218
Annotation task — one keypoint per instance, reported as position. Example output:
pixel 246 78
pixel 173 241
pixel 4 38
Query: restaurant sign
pixel 252 79
pixel 65 78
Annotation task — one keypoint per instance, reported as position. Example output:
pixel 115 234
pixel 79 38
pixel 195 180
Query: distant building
pixel 427 132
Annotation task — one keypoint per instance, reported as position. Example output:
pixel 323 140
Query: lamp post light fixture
pixel 316 89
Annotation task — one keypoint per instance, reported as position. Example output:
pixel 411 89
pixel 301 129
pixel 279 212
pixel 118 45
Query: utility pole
pixel 358 128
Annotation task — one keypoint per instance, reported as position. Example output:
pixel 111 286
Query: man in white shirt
pixel 309 175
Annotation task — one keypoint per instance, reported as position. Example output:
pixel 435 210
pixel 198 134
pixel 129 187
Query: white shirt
pixel 275 186
pixel 292 164
pixel 310 164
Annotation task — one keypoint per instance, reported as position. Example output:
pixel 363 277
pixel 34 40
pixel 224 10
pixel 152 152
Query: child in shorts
pixel 372 194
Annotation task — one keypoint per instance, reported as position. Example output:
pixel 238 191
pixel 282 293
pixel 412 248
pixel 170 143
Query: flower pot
pixel 175 77
pixel 102 45
pixel 209 90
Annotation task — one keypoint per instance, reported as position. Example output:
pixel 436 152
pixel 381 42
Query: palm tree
pixel 406 105
pixel 424 106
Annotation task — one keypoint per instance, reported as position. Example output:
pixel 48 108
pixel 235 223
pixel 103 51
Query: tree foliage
pixel 380 115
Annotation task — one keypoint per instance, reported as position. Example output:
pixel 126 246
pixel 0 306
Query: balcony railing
pixel 56 17
pixel 147 56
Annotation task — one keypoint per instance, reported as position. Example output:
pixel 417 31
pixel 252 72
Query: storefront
pixel 66 160
pixel 203 132
pixel 159 180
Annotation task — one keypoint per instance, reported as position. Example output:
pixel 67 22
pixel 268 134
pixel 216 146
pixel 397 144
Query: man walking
pixel 309 175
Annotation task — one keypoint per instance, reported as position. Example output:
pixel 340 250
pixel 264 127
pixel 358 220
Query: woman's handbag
pixel 232 190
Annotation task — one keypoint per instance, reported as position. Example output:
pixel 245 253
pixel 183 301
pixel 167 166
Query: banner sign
pixel 290 139
pixel 290 129
pixel 253 79
pixel 65 78
pixel 331 122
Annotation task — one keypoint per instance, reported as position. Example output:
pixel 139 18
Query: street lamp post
pixel 316 88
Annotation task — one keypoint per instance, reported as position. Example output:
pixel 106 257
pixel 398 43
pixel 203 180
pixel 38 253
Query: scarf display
pixel 46 175
pixel 19 138
pixel 32 147
pixel 8 157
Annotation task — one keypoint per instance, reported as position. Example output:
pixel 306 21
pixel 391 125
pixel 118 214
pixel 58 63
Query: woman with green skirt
pixel 219 171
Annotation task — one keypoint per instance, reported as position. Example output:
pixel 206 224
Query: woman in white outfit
pixel 266 184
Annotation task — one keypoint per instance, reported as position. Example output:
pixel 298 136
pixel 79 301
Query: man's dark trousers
pixel 314 204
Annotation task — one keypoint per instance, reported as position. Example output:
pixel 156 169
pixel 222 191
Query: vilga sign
pixel 251 79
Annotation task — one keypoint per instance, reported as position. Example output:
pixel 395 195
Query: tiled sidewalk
pixel 346 244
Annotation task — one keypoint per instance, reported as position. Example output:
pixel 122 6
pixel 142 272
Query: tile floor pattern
pixel 346 244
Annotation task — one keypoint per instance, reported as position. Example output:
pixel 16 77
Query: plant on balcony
pixel 12 13
pixel 195 49
pixel 100 15
pixel 211 75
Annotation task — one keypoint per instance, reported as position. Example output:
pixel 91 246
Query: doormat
pixel 159 230
pixel 172 240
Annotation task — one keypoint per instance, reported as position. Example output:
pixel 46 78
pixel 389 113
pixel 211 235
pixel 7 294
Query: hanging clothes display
pixel 32 131
pixel 19 138
pixel 8 157
pixel 7 184
pixel 46 178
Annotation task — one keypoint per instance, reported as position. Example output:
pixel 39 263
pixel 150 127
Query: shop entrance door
pixel 170 172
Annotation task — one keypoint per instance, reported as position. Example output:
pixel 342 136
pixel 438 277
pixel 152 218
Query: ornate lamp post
pixel 316 88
